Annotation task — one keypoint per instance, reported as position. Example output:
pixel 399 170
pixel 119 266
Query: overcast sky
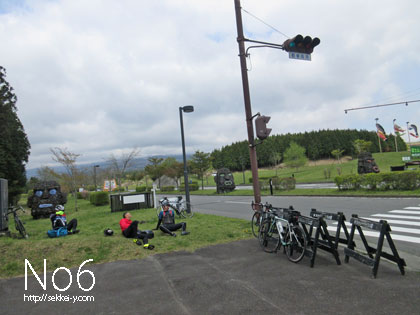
pixel 104 76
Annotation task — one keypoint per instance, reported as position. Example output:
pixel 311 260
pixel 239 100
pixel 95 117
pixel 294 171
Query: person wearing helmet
pixel 59 219
pixel 167 223
pixel 130 230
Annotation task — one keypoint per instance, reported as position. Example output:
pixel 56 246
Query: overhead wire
pixel 262 21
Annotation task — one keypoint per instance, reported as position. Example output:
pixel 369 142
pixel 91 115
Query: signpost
pixel 415 151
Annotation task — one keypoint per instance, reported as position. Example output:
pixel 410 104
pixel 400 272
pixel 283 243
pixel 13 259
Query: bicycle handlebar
pixel 15 209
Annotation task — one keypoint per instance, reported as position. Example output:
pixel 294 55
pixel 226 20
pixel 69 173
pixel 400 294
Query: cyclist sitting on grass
pixel 130 230
pixel 59 220
pixel 166 221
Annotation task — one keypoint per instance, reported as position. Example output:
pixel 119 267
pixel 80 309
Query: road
pixel 403 214
pixel 298 186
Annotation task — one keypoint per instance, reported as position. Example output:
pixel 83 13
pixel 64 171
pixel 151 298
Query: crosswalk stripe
pixel 396 216
pixel 393 228
pixel 412 208
pixel 396 237
pixel 401 222
pixel 405 211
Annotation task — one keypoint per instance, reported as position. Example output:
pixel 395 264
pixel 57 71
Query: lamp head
pixel 188 109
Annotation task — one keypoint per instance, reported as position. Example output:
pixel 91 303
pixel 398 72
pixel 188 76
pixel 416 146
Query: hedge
pixel 167 188
pixel 192 186
pixel 403 180
pixel 99 198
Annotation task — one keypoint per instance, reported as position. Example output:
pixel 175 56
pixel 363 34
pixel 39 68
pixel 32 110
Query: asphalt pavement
pixel 233 278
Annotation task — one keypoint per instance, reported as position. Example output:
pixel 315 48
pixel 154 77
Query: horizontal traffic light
pixel 301 44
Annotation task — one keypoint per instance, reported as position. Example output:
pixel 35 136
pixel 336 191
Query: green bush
pixel 192 186
pixel 285 183
pixel 141 188
pixel 167 188
pixel 403 180
pixel 99 198
pixel 83 195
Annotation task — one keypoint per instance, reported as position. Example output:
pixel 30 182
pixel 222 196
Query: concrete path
pixel 234 278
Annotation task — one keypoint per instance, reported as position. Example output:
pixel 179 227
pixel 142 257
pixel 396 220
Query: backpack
pixel 59 221
pixel 57 233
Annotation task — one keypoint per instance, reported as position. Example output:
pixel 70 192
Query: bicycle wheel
pixel 256 222
pixel 295 244
pixel 183 209
pixel 20 228
pixel 268 236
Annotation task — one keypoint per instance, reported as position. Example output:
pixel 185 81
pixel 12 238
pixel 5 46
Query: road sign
pixel 299 56
pixel 415 151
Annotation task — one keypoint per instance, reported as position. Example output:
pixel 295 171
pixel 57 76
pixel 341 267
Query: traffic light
pixel 300 44
pixel 261 127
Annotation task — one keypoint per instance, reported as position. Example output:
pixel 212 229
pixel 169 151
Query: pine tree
pixel 14 144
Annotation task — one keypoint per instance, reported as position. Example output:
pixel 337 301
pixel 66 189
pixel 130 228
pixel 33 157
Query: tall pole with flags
pixel 379 139
pixel 408 132
pixel 395 133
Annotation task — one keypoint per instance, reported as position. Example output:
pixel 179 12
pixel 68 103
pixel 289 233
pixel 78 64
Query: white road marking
pixel 395 221
pixel 397 237
pixel 405 212
pixel 396 216
pixel 412 208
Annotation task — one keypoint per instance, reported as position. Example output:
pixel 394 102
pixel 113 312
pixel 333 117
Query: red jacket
pixel 125 223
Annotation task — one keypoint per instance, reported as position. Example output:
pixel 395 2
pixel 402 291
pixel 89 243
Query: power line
pixel 382 105
pixel 262 21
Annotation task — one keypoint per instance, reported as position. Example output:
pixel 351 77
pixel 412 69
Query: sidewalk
pixel 234 278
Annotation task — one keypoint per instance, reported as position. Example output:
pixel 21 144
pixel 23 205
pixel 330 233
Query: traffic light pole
pixel 247 101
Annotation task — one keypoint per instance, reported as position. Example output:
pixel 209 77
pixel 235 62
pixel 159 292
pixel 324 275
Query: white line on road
pixel 393 228
pixel 395 237
pixel 396 216
pixel 405 212
pixel 412 208
pixel 396 221
pixel 241 202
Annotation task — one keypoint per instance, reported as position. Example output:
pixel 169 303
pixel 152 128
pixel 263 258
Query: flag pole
pixel 409 141
pixel 379 139
pixel 395 133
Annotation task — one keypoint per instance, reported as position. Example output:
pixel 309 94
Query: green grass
pixel 90 243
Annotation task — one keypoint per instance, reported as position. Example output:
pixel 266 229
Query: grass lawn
pixel 90 243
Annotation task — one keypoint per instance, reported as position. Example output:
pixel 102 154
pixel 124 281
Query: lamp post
pixel 94 175
pixel 186 109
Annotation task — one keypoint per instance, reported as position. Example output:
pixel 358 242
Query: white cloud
pixel 101 76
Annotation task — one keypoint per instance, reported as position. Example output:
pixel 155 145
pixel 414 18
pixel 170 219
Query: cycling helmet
pixel 165 202
pixel 108 232
pixel 59 208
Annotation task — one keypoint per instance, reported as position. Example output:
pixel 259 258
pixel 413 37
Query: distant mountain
pixel 138 163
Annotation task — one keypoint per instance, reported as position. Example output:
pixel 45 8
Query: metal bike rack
pixel 315 242
pixel 384 231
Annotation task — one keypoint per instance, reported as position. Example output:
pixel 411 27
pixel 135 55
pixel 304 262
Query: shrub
pixel 99 198
pixel 167 188
pixel 286 183
pixel 141 188
pixel 192 186
pixel 83 195
pixel 403 180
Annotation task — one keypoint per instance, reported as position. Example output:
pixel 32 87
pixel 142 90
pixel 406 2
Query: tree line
pixel 318 145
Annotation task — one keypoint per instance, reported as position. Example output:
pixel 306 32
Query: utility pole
pixel 247 101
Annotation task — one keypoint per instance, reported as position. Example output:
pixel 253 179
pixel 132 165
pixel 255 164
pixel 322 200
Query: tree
pixel 294 156
pixel 68 160
pixel 337 154
pixel 14 144
pixel 45 173
pixel 120 164
pixel 361 145
pixel 173 169
pixel 155 169
pixel 275 158
pixel 200 163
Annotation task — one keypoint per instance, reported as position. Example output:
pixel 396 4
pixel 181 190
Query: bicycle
pixel 179 205
pixel 259 215
pixel 18 223
pixel 282 229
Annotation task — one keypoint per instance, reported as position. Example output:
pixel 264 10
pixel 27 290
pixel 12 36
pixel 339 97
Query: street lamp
pixel 94 175
pixel 186 109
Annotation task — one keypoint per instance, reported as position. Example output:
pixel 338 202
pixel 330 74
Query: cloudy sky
pixel 104 76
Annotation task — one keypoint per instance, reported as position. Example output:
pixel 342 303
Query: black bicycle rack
pixel 321 239
pixel 341 225
pixel 384 231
